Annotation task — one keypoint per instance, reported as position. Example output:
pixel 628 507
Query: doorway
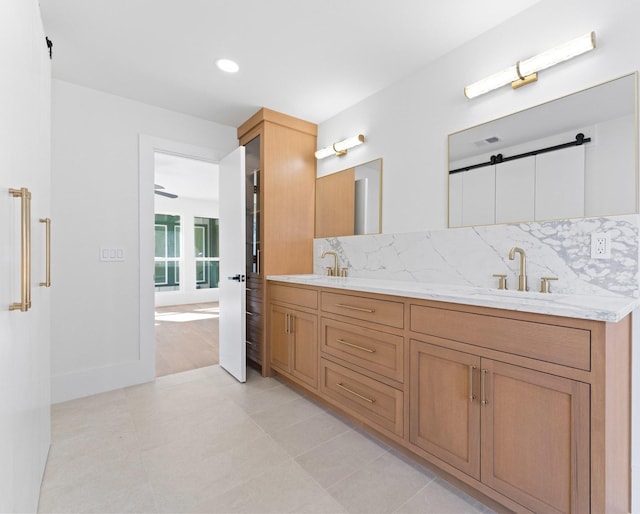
pixel 186 263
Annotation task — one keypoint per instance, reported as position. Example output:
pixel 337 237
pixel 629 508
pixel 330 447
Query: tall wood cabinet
pixel 280 189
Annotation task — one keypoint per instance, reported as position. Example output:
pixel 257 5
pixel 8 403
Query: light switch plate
pixel 111 254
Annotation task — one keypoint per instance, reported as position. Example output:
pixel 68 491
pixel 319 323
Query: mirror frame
pixel 380 214
pixel 633 75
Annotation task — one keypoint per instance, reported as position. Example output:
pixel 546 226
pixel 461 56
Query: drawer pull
pixel 472 396
pixel 249 313
pixel 355 394
pixel 353 308
pixel 248 289
pixel 249 343
pixel 342 341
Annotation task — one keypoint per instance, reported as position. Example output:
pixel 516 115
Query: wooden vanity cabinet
pixel 531 410
pixel 280 196
pixel 535 408
pixel 529 427
pixel 293 334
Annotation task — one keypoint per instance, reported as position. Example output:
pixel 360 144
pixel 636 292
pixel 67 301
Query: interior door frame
pixel 148 146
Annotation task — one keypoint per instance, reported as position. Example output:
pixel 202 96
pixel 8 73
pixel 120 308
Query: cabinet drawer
pixel 378 403
pixel 374 350
pixel 254 287
pixel 566 346
pixel 294 295
pixel 254 307
pixel 384 312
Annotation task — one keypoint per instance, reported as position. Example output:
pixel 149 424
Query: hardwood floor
pixel 186 337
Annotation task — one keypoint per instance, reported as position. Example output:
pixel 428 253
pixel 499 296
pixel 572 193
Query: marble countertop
pixel 601 308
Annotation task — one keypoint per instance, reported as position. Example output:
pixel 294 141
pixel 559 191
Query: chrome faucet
pixel 522 277
pixel 334 270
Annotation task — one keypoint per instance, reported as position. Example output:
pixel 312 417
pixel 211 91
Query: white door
pixel 232 265
pixel 25 100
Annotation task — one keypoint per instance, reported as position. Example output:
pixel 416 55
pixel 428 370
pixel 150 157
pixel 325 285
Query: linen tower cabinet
pixel 280 207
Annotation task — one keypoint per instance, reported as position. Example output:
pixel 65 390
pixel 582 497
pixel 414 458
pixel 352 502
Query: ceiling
pixel 188 178
pixel 310 59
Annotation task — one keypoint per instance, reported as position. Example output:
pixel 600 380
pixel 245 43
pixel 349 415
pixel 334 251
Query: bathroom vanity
pixel 529 408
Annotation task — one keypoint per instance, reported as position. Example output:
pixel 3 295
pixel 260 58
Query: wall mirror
pixel 349 202
pixel 572 157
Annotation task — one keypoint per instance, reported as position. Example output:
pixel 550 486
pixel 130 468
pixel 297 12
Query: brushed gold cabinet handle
pixel 286 323
pixel 291 323
pixel 361 309
pixel 47 280
pixel 25 249
pixel 370 400
pixel 472 396
pixel 342 341
pixel 483 387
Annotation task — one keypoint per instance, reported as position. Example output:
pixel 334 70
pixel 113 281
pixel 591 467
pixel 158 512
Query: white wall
pixel 407 124
pixel 187 208
pixel 96 333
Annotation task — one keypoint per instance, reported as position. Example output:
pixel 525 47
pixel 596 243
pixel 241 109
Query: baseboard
pixel 99 380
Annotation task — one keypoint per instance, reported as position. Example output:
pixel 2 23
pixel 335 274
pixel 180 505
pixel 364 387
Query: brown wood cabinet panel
pixel 376 351
pixel 567 346
pixel 378 403
pixel 293 339
pixel 535 438
pixel 335 204
pixel 304 362
pixel 294 295
pixel 288 200
pixel 445 405
pixel 383 312
pixel 279 338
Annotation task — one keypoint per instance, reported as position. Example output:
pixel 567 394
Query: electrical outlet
pixel 600 246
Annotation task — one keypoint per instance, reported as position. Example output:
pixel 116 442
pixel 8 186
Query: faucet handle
pixel 502 281
pixel 329 271
pixel 544 284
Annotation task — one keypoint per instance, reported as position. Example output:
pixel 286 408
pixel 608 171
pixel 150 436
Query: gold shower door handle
pixel 25 249
pixel 47 280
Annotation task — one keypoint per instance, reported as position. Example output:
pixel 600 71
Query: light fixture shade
pixel 558 54
pixel 348 143
pixel 524 71
pixel 227 65
pixel 341 147
pixel 324 152
pixel 491 82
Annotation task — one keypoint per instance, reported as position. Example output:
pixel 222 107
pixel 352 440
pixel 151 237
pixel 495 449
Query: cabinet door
pixel 535 438
pixel 279 338
pixel 445 405
pixel 304 342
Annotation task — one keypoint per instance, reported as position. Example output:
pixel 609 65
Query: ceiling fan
pixel 158 187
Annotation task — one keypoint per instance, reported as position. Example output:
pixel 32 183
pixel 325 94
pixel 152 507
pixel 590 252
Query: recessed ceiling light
pixel 227 65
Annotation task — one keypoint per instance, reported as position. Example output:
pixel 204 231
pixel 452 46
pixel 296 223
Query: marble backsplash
pixel 471 255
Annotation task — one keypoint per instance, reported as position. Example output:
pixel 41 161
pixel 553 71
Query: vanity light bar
pixel 340 148
pixel 525 72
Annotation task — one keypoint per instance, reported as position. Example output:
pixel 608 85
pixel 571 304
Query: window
pixel 207 252
pixel 167 255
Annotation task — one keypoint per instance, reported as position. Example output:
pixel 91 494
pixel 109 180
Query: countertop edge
pixel 599 308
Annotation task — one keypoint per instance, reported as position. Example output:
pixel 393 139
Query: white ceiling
pixel 188 178
pixel 310 59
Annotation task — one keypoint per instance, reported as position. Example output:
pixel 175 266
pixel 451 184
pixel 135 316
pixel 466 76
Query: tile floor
pixel 199 441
